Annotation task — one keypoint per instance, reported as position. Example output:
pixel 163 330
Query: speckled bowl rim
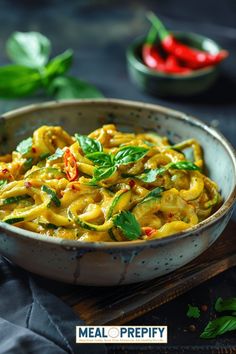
pixel 227 205
pixel 133 60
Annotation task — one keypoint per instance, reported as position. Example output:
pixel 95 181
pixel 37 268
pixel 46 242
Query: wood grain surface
pixel 120 304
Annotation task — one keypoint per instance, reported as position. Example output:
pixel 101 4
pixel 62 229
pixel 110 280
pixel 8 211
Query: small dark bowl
pixel 162 84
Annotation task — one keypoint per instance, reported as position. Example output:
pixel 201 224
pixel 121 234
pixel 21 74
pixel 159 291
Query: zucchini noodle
pixel 77 187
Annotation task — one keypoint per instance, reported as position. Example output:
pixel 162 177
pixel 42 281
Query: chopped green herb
pixel 58 153
pixel 149 176
pixel 25 146
pixel 193 311
pixel 128 224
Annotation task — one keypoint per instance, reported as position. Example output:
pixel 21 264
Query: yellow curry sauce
pixel 107 186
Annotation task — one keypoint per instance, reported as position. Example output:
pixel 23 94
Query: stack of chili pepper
pixel 170 55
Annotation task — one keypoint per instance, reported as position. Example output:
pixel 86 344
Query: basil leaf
pixel 219 326
pixel 101 173
pixel 25 146
pixel 30 49
pixel 184 165
pixel 66 87
pixel 100 159
pixel 225 305
pixel 17 81
pixel 150 176
pixel 59 65
pixel 52 195
pixel 155 193
pixel 87 144
pixel 3 183
pixel 58 153
pixel 128 224
pixel 129 154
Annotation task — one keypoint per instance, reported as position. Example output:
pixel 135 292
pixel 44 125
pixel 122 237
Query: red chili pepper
pixel 131 183
pixel 148 231
pixel 72 172
pixel 154 60
pixel 172 66
pixel 151 57
pixel 193 58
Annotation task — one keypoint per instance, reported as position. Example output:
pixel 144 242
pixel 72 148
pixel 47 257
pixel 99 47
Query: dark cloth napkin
pixel 34 321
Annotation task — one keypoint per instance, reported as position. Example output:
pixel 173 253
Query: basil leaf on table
pixel 129 154
pixel 31 49
pixel 225 305
pixel 101 173
pixel 128 224
pixel 25 146
pixel 59 65
pixel 66 87
pixel 219 326
pixel 88 145
pixel 193 311
pixel 100 159
pixel 17 81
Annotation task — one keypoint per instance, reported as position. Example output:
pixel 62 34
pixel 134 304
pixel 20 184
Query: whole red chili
pixel 154 60
pixel 71 169
pixel 151 57
pixel 193 58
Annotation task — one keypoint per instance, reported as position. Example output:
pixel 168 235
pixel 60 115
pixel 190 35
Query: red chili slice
pixel 72 171
pixel 148 231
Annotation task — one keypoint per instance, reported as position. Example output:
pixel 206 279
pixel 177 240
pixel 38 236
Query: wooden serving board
pixel 120 304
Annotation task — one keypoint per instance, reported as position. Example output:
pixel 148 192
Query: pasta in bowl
pixel 106 186
pixel 110 192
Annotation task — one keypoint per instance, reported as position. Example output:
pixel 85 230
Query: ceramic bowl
pixel 115 263
pixel 162 84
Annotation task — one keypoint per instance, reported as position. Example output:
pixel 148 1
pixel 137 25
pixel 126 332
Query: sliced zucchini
pixel 196 187
pixel 52 195
pixel 12 200
pixel 13 220
pixel 146 206
pixel 50 171
pixel 119 202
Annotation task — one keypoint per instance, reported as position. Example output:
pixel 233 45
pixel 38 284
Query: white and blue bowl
pixel 114 263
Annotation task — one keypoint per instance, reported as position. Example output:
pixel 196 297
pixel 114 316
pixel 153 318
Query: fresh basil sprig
pixel 32 70
pixel 150 175
pixel 127 223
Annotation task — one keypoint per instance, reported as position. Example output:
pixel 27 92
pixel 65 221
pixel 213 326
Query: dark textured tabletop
pixel 99 33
